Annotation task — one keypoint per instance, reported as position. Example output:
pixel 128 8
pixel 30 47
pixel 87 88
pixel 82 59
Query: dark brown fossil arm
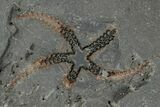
pixel 101 42
pixel 71 77
pixel 122 74
pixel 40 63
pixel 51 21
pixel 56 58
pixel 66 32
pixel 94 68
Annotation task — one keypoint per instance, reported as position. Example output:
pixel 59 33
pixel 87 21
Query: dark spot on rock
pixel 0 70
pixel 0 82
pixel 10 23
pixel 13 72
pixel 132 57
pixel 56 96
pixel 17 65
pixel 19 93
pixel 32 47
pixel 78 98
pixel 12 69
pixel 21 58
pixel 109 102
pixel 57 87
pixel 18 9
pixel 5 86
pixel 43 98
pixel 28 54
pixel 68 101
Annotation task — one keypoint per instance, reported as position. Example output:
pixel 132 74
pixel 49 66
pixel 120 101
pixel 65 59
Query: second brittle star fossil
pixel 79 57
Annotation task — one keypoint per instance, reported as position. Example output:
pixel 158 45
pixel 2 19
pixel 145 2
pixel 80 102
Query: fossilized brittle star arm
pixel 24 73
pixel 45 18
pixel 71 77
pixel 94 68
pixel 122 74
pixel 56 58
pixel 69 35
pixel 101 42
pixel 66 32
pixel 42 62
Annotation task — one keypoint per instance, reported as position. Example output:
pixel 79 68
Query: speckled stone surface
pixel 21 42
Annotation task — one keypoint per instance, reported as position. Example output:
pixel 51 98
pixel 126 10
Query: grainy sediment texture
pixel 24 41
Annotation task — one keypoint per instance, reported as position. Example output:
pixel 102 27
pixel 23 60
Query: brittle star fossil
pixel 79 57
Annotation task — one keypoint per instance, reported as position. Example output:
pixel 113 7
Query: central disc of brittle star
pixel 79 58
